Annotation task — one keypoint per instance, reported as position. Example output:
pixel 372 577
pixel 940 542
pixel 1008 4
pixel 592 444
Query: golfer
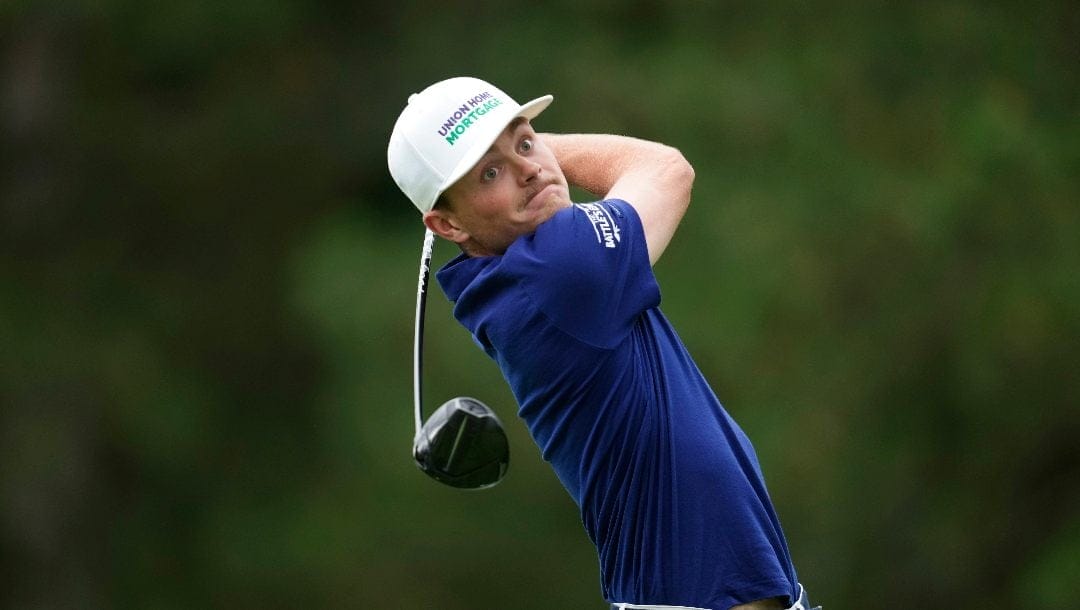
pixel 562 296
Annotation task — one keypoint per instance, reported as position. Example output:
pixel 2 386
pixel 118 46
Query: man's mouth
pixel 534 197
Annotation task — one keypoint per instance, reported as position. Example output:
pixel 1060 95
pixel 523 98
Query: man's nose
pixel 527 169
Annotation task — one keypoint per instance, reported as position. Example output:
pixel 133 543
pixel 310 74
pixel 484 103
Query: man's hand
pixel 654 178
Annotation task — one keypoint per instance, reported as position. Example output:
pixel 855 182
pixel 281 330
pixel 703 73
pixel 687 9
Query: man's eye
pixel 490 174
pixel 526 145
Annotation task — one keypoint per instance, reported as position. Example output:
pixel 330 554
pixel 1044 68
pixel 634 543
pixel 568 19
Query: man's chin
pixel 553 205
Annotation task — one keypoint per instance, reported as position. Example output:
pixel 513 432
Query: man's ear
pixel 445 225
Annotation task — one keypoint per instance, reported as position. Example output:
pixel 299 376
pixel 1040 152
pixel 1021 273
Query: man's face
pixel 512 189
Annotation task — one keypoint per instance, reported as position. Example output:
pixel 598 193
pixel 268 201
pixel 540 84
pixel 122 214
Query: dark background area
pixel 207 281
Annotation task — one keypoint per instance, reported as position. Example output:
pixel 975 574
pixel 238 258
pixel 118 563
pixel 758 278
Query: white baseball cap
pixel 443 132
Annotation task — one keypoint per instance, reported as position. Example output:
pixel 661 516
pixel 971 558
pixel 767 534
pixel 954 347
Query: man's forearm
pixel 595 162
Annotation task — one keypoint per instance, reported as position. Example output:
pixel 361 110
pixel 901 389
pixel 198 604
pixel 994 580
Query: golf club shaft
pixel 418 332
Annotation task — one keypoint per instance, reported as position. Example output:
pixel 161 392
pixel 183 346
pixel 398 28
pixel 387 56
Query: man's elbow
pixel 679 175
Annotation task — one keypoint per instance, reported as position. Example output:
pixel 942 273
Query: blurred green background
pixel 207 281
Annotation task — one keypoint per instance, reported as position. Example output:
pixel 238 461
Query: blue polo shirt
pixel 669 486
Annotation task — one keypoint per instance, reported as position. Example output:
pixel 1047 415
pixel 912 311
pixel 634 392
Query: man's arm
pixel 654 178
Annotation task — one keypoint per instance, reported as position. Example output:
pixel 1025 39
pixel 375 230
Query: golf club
pixel 463 443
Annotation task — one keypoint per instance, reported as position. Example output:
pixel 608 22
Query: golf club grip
pixel 418 331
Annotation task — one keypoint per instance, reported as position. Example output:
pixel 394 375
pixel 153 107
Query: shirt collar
pixel 456 275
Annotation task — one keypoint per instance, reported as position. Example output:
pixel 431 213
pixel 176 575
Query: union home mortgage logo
pixel 466 115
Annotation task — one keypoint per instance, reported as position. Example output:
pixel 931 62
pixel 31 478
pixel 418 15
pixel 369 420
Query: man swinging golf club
pixel 562 296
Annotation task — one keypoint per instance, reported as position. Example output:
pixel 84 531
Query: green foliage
pixel 207 282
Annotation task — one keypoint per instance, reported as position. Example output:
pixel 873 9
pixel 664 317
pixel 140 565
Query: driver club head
pixel 463 445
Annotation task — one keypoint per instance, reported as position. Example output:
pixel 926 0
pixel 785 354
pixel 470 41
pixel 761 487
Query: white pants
pixel 800 604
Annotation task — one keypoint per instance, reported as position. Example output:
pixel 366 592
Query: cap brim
pixel 529 110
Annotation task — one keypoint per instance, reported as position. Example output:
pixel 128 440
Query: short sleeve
pixel 587 269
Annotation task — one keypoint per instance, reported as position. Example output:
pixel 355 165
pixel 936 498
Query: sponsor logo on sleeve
pixel 607 231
